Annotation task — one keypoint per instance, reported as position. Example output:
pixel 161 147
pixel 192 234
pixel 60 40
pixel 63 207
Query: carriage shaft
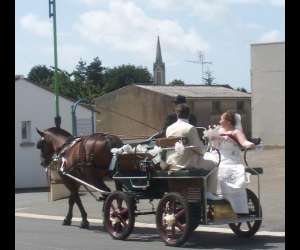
pixel 85 183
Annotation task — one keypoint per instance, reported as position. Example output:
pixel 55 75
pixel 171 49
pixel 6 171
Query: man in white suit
pixel 190 157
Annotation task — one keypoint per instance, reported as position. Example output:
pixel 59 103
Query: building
pixel 140 110
pixel 268 92
pixel 159 71
pixel 35 108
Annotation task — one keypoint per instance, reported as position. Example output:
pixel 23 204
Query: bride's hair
pixel 230 116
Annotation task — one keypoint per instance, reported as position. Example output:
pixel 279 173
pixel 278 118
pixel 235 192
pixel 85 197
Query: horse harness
pixel 82 159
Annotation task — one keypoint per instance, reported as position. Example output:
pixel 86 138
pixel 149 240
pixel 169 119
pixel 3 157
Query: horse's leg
pixel 68 220
pixel 73 187
pixel 84 223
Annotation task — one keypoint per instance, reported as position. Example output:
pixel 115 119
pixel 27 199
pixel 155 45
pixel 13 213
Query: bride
pixel 229 138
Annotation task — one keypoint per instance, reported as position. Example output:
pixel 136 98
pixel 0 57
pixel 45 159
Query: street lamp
pixel 52 13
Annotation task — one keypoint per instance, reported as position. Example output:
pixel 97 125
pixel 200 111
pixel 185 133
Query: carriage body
pixel 141 179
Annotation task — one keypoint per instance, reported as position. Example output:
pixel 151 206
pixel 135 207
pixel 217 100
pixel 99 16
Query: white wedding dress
pixel 232 179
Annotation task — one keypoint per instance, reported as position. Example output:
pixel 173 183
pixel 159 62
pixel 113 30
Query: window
pixel 216 107
pixel 26 131
pixel 240 107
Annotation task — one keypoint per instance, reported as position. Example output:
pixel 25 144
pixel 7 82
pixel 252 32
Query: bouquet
pixel 212 136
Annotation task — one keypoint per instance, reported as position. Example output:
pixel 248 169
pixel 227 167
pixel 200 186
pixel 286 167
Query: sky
pixel 125 32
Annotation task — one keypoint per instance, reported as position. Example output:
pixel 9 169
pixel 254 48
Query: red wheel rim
pixel 172 221
pixel 118 217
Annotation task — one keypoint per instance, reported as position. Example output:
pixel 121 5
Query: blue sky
pixel 125 32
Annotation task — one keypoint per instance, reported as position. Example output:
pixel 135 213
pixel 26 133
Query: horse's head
pixel 46 148
pixel 52 139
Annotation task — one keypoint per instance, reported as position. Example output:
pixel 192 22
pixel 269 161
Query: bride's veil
pixel 238 122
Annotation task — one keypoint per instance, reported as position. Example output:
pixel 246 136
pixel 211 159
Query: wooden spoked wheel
pixel 173 219
pixel 249 228
pixel 119 216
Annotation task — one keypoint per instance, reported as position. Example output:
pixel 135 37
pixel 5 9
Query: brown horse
pixel 88 159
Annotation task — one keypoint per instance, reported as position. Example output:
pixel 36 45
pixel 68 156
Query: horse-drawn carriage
pixel 183 202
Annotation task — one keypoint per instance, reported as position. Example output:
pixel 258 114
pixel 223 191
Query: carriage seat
pixel 255 171
pixel 170 141
pixel 181 173
pixel 256 141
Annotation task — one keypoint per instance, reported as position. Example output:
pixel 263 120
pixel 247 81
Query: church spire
pixel 158 52
pixel 158 66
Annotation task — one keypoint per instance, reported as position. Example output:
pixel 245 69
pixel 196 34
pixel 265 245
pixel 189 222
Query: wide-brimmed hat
pixel 180 99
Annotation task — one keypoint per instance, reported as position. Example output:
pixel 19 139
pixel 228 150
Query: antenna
pixel 200 61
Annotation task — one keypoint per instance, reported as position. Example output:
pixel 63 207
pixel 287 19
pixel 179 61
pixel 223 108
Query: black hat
pixel 180 99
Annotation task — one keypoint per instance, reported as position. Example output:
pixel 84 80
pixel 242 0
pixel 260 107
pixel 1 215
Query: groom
pixel 191 157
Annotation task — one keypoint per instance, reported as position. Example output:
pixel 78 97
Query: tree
pixel 88 81
pixel 41 75
pixel 176 82
pixel 80 74
pixel 94 73
pixel 208 80
pixel 123 75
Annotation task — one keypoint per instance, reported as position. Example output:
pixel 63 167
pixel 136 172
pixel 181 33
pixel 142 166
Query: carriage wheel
pixel 119 215
pixel 173 219
pixel 249 228
pixel 195 215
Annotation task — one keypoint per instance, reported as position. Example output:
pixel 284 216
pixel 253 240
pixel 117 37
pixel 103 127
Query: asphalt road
pixel 34 234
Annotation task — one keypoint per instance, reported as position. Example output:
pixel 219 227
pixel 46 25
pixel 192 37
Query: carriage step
pixel 144 213
pixel 233 220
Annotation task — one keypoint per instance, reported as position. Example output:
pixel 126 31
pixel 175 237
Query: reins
pixel 126 116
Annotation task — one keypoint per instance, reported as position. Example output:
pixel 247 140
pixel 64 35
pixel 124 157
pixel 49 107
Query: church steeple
pixel 158 52
pixel 158 66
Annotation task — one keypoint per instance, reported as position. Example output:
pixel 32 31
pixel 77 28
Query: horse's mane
pixel 58 131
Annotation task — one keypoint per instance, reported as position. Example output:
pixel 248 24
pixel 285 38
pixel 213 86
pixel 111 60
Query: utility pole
pixel 52 13
pixel 202 62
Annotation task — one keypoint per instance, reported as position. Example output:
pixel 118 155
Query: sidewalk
pixel 272 195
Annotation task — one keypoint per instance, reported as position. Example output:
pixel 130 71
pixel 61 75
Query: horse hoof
pixel 85 224
pixel 66 222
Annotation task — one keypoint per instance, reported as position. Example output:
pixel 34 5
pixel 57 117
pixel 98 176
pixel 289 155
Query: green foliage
pixel 176 82
pixel 123 75
pixel 41 75
pixel 94 73
pixel 89 81
pixel 80 73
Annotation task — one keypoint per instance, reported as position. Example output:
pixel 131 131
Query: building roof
pixel 197 91
pixel 267 43
pixel 21 77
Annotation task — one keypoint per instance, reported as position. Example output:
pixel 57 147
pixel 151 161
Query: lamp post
pixel 52 13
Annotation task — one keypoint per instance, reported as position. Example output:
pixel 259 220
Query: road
pixel 34 234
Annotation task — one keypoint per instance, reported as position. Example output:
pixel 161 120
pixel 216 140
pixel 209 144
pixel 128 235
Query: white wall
pixel 268 92
pixel 37 105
